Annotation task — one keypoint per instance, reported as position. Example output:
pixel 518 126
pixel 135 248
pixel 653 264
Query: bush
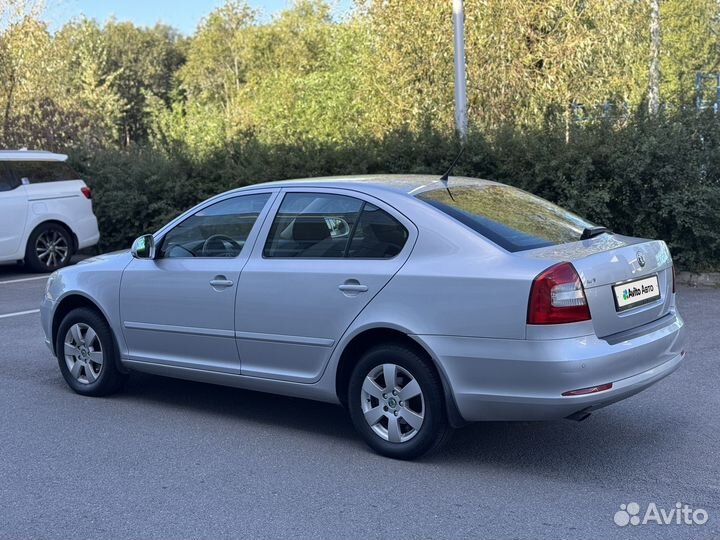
pixel 655 178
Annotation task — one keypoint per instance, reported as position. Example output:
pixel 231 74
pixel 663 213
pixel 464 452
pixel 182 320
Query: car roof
pixel 410 184
pixel 30 155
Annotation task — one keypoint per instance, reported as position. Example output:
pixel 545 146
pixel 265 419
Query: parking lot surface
pixel 169 458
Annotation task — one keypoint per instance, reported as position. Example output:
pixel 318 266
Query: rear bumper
pixel 524 379
pixel 87 232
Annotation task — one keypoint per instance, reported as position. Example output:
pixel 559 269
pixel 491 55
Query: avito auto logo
pixel 638 291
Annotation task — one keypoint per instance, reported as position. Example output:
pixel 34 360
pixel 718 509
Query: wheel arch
pixel 66 305
pixel 76 300
pixel 59 223
pixel 366 340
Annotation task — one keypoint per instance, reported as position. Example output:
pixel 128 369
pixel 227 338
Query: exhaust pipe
pixel 579 416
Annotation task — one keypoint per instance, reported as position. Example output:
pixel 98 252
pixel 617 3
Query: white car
pixel 46 211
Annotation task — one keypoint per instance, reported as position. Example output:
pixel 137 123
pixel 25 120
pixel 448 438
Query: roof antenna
pixel 445 177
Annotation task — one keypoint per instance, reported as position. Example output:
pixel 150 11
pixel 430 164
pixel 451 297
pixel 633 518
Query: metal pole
pixel 461 121
pixel 654 94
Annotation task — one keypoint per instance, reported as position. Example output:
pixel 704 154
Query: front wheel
pixel 86 354
pixel 396 402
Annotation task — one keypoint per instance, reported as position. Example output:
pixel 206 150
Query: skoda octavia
pixel 419 304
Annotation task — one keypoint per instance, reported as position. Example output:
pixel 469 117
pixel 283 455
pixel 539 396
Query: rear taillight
pixel 673 271
pixel 557 296
pixel 87 192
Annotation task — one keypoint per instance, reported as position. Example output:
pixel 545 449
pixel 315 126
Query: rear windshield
pixel 43 171
pixel 512 218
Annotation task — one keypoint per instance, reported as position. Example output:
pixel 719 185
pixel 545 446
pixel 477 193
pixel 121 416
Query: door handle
pixel 352 286
pixel 220 282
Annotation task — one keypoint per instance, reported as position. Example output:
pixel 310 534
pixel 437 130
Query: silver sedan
pixel 419 304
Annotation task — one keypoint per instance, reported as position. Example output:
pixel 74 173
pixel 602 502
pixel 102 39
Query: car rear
pixel 601 318
pixel 56 192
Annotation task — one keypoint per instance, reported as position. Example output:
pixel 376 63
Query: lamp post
pixel 654 93
pixel 461 121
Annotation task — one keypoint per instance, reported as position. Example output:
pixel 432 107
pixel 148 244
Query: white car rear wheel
pixel 49 248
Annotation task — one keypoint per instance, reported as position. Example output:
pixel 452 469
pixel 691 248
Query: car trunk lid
pixel 631 265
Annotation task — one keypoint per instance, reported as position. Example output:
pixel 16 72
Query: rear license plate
pixel 636 293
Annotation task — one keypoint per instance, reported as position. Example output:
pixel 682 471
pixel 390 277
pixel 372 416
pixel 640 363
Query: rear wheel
pixel 49 248
pixel 396 402
pixel 87 354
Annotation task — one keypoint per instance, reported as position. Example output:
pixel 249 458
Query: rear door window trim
pixel 360 196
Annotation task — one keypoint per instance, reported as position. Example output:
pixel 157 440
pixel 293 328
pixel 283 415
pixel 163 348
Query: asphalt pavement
pixel 175 459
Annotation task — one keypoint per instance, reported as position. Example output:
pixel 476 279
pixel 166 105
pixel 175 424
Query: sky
pixel 181 14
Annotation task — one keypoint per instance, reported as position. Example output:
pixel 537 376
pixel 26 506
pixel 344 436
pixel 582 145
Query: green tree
pixel 306 76
pixel 690 44
pixel 217 55
pixel 21 39
pixel 524 57
pixel 297 77
pixel 145 61
pixel 30 89
pixel 91 80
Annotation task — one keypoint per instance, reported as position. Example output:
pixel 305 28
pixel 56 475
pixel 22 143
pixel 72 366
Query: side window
pixel 44 171
pixel 7 181
pixel 219 230
pixel 378 235
pixel 313 225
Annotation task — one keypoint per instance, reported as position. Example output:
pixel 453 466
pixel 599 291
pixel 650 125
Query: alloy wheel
pixel 392 403
pixel 52 248
pixel 83 353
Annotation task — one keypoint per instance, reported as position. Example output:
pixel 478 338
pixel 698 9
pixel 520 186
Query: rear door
pixel 318 262
pixel 13 212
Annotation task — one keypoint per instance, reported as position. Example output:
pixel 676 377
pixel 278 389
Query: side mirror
pixel 144 247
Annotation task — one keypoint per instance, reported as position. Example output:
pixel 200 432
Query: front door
pixel 179 309
pixel 326 256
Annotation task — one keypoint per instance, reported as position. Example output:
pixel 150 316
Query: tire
pixel 88 364
pixel 415 428
pixel 49 248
